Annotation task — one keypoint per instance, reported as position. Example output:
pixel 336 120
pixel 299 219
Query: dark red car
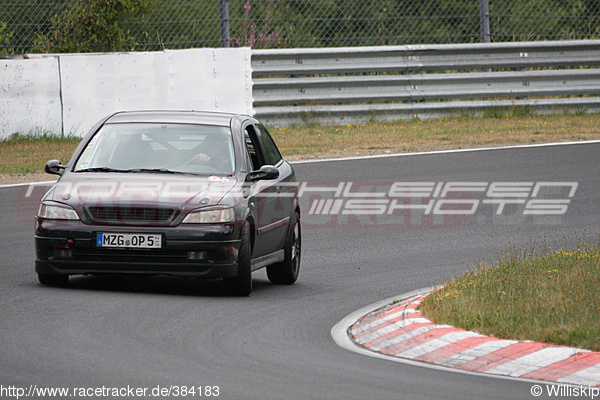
pixel 182 193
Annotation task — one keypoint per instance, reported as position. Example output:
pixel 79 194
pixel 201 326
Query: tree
pixel 92 26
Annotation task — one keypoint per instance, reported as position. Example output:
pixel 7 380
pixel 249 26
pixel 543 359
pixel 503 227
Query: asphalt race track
pixel 276 344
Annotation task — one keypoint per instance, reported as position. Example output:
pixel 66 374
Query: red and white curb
pixel 399 330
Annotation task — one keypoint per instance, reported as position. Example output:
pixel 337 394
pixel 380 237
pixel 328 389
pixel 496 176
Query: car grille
pixel 133 256
pixel 130 214
pixel 140 258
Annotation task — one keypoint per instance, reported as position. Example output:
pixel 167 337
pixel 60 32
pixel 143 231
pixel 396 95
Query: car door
pixel 286 184
pixel 272 219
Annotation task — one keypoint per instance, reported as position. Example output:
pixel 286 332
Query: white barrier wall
pixel 29 96
pixel 91 86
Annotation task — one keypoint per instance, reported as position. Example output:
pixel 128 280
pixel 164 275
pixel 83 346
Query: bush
pixel 92 26
pixel 5 39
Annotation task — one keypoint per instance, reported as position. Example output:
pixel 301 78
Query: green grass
pixel 546 295
pixel 497 127
pixel 27 154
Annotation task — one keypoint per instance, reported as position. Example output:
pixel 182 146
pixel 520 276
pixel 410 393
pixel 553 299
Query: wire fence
pixel 29 25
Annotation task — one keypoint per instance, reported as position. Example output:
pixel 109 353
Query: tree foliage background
pixel 92 26
pixel 123 25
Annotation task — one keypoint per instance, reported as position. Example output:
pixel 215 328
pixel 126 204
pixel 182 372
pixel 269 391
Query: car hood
pixel 140 190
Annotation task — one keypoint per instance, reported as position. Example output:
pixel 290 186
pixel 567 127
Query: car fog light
pixel 63 254
pixel 196 255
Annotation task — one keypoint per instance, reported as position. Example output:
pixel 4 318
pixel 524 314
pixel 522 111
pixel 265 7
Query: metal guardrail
pixel 351 85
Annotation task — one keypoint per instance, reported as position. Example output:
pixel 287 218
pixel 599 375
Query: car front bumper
pixel 201 251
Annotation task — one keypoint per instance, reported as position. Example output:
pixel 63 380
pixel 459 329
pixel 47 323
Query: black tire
pixel 286 272
pixel 53 280
pixel 241 285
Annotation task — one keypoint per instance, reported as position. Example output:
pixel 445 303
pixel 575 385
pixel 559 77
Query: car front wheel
pixel 286 272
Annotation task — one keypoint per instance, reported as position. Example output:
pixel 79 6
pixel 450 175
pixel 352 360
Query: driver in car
pixel 214 153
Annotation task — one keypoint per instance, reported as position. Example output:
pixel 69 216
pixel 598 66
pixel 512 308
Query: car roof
pixel 180 117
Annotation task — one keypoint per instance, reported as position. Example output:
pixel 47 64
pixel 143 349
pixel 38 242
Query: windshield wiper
pixel 154 170
pixel 133 170
pixel 101 169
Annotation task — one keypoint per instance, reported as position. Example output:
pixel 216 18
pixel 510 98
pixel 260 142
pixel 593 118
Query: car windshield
pixel 159 148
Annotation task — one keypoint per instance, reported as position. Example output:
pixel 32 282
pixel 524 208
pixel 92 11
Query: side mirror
pixel 54 167
pixel 266 172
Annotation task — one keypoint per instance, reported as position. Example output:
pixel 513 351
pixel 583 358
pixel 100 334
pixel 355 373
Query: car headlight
pixel 50 211
pixel 210 216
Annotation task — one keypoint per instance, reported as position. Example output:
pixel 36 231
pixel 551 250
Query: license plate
pixel 129 240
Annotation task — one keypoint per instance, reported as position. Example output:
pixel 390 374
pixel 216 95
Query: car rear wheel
pixel 53 280
pixel 286 272
pixel 241 285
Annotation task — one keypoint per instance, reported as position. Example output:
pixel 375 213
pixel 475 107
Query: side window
pixel 271 152
pixel 253 148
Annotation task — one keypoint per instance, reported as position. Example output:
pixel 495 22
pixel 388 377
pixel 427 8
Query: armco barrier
pixel 68 93
pixel 349 85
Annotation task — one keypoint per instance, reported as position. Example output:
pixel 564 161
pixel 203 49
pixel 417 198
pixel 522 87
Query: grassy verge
pixel 548 296
pixel 22 154
pixel 26 154
pixel 494 129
